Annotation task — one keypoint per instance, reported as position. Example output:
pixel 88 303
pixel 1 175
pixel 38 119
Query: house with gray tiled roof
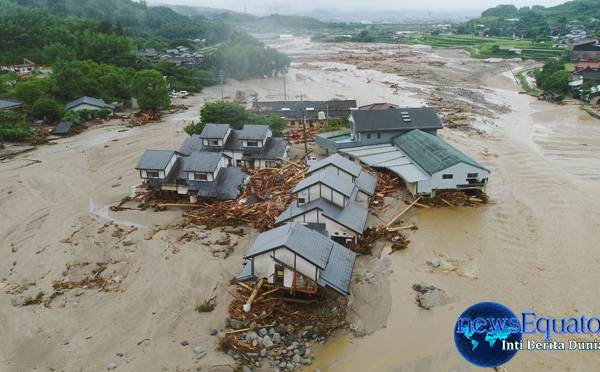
pixel 199 175
pixel 8 105
pixel 253 146
pixel 298 259
pixel 89 103
pixel 337 193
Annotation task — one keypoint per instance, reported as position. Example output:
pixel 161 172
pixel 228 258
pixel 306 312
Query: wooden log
pixel 403 212
pixel 165 205
pixel 253 295
pixel 422 205
pixel 447 202
pixel 245 286
pixel 408 227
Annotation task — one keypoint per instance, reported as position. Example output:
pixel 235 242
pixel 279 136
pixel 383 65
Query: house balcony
pixel 336 140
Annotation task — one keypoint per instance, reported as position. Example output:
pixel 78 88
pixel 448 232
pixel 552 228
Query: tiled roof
pixel 155 159
pixel 396 119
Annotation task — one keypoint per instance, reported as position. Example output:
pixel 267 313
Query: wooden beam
pixel 253 295
pixel 403 212
pixel 408 227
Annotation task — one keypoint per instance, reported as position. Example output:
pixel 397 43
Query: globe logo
pixel 488 334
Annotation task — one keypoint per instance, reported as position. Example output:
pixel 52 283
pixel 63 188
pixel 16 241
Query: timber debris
pixel 278 329
pixel 267 195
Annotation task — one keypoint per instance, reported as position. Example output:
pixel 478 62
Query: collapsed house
pixel 200 175
pixel 337 194
pixel 300 259
pixel 405 142
pixel 251 147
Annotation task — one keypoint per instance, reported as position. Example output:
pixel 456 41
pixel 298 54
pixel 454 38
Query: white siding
pixel 459 176
pixel 362 198
pixel 335 229
pixel 170 165
pixel 296 262
pixel 259 143
pixel 288 277
pixel 264 266
pixel 340 172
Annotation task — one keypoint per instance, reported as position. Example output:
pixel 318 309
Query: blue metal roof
pixel 330 179
pixel 155 159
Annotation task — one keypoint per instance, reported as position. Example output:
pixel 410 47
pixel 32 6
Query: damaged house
pixel 297 258
pixel 200 175
pixel 405 142
pixel 253 146
pixel 336 194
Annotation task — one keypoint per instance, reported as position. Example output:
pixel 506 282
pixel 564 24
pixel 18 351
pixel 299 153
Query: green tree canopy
pixel 222 112
pixel 150 89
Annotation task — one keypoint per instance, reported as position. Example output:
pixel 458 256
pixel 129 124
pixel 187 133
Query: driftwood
pixel 253 295
pixel 409 227
pixel 403 212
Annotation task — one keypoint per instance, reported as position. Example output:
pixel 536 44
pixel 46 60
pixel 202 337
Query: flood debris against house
pixel 279 330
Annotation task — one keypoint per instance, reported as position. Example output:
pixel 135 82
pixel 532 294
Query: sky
pixel 265 7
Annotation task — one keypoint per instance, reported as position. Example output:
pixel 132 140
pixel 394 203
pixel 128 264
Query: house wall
pixel 207 142
pixel 333 228
pixel 320 190
pixel 292 260
pixel 170 165
pixel 385 137
pixel 144 173
pixel 83 106
pixel 209 176
pixel 264 266
pixel 459 176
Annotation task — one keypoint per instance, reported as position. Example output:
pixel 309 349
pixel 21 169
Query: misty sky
pixel 262 7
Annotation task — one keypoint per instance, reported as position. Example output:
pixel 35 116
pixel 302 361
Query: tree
pixel 13 127
pixel 558 82
pixel 276 123
pixel 150 89
pixel 224 113
pixel 47 109
pixel 495 49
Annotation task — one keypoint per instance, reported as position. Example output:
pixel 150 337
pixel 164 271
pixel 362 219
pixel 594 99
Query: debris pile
pixel 267 195
pixel 275 331
pixel 296 136
pixel 454 198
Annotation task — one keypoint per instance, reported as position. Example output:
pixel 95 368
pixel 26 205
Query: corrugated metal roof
pixel 338 161
pixel 329 179
pixel 388 156
pixel 430 152
pixel 214 130
pixel 155 159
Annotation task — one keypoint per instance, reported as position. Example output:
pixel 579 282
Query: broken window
pixel 252 143
pixel 278 279
pixel 213 142
pixel 152 174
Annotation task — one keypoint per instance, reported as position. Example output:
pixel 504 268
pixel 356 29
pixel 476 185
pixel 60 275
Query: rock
pixel 271 331
pixel 307 352
pixel 127 241
pixel 282 364
pixel 213 332
pixel 290 366
pixel 360 333
pixel 267 342
pixel 263 332
pixel 306 361
pixel 202 235
pixel 235 324
pixel 112 366
pixel 199 351
pixel 301 350
pixel 434 262
pixel 296 358
pixel 433 298
pixel 291 338
pixel 247 369
pixel 334 310
pixel 119 355
pixel 263 353
pixel 422 287
pixel 185 343
pixel 276 338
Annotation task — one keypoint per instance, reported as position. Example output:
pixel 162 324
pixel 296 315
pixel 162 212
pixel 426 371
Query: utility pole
pixel 303 125
pixel 221 75
pixel 284 92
